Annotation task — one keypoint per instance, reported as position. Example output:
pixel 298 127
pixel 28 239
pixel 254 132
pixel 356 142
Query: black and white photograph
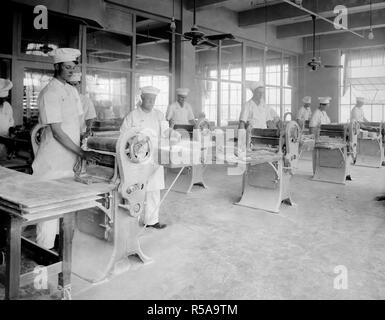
pixel 203 152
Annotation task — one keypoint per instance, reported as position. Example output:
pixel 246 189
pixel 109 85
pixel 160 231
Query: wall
pixel 321 83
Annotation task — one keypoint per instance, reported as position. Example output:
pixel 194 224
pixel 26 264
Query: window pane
pixel 34 81
pixel 207 91
pixel 108 91
pixel 231 100
pixel 231 58
pixel 108 49
pixel 62 32
pixel 160 82
pixel 273 99
pixel 152 45
pixel 273 68
pixel 254 64
pixel 206 63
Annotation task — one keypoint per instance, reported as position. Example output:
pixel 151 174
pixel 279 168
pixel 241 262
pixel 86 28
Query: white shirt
pixel 147 120
pixel 319 117
pixel 357 114
pixel 88 111
pixel 257 115
pixel 180 115
pixel 57 103
pixel 6 118
pixel 304 114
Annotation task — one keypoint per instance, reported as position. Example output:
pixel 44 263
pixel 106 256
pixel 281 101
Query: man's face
pixel 259 93
pixel 307 105
pixel 360 104
pixel 181 99
pixel 148 101
pixel 324 106
pixel 67 69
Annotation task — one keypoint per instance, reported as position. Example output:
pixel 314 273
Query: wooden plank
pixel 13 256
pixel 28 191
pixel 40 255
pixel 52 214
pixel 29 277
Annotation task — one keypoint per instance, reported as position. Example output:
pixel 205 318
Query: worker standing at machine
pixel 59 110
pixel 180 111
pixel 6 114
pixel 89 113
pixel 255 113
pixel 320 116
pixel 304 113
pixel 357 113
pixel 146 117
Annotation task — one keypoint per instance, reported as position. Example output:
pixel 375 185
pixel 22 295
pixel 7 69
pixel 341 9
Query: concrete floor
pixel 213 249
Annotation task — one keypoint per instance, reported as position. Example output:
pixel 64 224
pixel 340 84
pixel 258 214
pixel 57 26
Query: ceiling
pixel 292 22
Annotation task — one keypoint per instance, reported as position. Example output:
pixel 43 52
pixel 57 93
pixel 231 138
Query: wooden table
pixel 26 200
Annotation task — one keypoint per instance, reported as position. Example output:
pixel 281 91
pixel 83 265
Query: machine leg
pixel 65 253
pixel 13 258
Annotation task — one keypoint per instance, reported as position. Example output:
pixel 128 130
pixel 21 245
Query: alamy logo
pixel 341 20
pixel 341 280
pixel 41 20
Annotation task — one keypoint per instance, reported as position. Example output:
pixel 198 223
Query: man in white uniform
pixel 146 117
pixel 320 116
pixel 358 112
pixel 6 114
pixel 59 109
pixel 180 112
pixel 255 112
pixel 304 113
pixel 89 113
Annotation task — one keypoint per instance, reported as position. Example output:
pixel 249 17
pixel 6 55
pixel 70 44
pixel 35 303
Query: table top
pixel 27 191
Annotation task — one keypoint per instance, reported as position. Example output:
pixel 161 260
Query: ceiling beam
pixel 284 12
pixel 205 4
pixel 356 21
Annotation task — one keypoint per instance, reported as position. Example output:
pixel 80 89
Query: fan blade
pixel 330 66
pixel 221 36
pixel 208 43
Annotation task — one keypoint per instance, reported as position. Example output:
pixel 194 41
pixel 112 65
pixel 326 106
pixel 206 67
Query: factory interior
pixel 192 150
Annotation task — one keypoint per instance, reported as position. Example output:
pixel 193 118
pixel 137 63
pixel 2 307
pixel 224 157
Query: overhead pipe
pixel 321 17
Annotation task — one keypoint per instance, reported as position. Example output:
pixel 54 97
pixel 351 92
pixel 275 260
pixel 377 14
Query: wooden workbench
pixel 26 200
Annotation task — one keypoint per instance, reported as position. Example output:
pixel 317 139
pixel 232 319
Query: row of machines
pixel 371 141
pixel 334 151
pixel 268 159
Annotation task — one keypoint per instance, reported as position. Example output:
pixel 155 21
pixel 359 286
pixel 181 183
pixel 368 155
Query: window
pixel 108 91
pixel 107 49
pixel 34 81
pixel 363 76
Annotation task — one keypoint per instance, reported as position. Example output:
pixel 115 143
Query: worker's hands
pixel 90 156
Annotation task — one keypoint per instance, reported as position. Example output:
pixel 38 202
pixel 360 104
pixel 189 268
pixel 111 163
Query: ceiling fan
pixel 315 63
pixel 198 37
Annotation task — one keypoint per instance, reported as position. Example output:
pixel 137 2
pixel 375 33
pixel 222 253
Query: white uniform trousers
pixel 152 200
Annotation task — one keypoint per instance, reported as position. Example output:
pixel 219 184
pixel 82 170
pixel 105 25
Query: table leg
pixel 13 258
pixel 65 253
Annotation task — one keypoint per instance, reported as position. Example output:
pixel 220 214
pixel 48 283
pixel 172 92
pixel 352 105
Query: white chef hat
pixel 306 99
pixel 64 54
pixel 252 85
pixel 5 86
pixel 324 100
pixel 76 77
pixel 360 99
pixel 149 90
pixel 183 92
